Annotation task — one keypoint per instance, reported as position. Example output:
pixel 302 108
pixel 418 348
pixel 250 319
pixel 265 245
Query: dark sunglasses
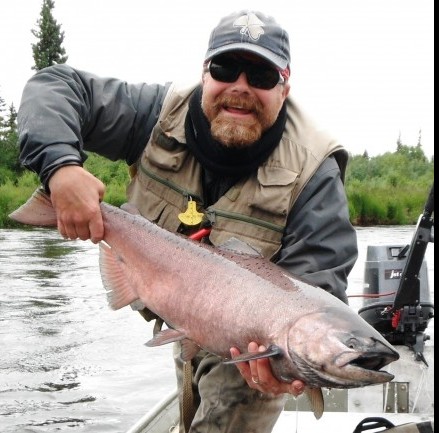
pixel 227 69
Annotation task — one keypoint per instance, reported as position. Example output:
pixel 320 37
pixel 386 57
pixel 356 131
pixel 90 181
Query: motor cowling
pixel 382 276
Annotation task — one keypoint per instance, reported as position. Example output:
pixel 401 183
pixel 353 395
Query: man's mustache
pixel 244 103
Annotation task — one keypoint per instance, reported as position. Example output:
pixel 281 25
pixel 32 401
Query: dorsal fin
pixel 235 245
pixel 130 208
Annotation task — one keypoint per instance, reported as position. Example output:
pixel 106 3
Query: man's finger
pixel 96 229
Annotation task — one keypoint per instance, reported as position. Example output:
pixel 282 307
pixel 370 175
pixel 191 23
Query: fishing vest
pixel 166 179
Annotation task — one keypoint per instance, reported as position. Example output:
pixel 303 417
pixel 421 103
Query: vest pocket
pixel 274 192
pixel 165 152
pixel 153 206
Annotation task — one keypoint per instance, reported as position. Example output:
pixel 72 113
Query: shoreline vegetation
pixel 389 189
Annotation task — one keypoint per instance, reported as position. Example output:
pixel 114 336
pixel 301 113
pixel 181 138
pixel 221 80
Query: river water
pixel 68 362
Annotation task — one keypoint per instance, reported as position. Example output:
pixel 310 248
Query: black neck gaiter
pixel 223 166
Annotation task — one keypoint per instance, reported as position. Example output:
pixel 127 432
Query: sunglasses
pixel 227 69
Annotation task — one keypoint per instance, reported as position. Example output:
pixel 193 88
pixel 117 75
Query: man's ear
pixel 286 90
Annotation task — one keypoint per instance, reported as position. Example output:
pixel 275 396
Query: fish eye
pixel 352 343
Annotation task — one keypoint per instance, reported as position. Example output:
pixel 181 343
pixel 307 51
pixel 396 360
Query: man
pixel 235 144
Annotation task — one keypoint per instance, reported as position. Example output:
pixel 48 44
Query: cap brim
pixel 278 61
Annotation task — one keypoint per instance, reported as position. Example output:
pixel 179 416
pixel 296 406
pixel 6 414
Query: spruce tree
pixel 48 50
pixel 3 120
pixel 10 165
pixel 11 122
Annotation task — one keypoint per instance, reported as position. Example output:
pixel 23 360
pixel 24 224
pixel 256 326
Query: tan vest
pixel 255 209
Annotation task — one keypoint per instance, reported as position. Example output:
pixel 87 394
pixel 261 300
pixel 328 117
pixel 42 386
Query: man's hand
pixel 75 195
pixel 259 376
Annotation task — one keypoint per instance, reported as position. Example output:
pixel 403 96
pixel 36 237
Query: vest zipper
pixel 172 186
pixel 213 213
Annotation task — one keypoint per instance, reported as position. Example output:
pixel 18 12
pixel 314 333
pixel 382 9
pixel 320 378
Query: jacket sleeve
pixel 320 243
pixel 64 112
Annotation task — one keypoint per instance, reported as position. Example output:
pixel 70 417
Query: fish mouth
pixel 377 355
pixel 352 375
pixel 373 362
pixel 350 369
pixel 366 366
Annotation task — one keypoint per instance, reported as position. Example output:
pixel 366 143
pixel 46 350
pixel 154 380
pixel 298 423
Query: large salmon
pixel 216 298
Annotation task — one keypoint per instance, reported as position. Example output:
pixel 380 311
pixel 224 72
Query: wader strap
pixel 188 396
pixel 188 409
pixel 157 325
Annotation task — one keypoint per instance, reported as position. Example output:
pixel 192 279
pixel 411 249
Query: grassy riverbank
pixel 390 189
pixel 368 205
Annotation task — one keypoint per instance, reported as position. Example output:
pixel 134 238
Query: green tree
pixel 10 167
pixel 48 50
pixel 11 121
pixel 2 118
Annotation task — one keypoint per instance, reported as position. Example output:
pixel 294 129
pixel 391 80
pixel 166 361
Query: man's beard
pixel 237 133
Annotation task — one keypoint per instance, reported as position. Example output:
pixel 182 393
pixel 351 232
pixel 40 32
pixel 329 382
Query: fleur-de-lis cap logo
pixel 248 30
pixel 250 25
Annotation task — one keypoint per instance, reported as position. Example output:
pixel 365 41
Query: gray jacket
pixel 64 112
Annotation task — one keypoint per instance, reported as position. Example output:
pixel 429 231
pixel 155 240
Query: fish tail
pixel 37 211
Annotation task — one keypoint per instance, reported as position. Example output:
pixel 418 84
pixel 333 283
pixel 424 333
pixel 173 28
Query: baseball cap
pixel 251 31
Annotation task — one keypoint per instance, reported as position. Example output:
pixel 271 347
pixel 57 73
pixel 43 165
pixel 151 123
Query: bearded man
pixel 235 147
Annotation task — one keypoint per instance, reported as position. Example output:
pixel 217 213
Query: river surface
pixel 68 362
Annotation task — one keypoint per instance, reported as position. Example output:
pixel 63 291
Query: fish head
pixel 336 348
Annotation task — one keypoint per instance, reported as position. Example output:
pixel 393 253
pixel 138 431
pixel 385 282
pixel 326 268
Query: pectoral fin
pixel 250 356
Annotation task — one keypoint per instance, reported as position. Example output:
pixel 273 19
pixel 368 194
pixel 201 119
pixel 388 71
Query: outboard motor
pixel 397 295
pixel 382 277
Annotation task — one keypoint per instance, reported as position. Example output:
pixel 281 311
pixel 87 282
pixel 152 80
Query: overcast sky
pixel 363 69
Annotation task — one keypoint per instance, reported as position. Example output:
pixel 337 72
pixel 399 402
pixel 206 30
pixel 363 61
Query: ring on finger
pixel 255 380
